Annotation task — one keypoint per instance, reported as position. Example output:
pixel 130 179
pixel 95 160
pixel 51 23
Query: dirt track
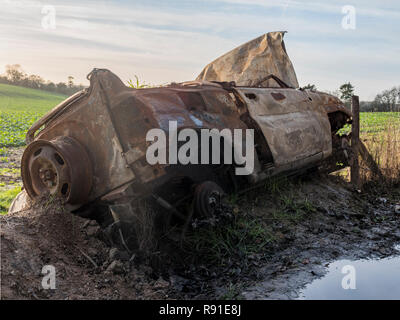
pixel 341 224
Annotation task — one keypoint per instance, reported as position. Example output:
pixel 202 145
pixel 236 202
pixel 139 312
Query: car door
pixel 294 127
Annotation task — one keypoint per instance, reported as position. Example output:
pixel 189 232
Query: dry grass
pixel 144 227
pixel 384 147
pixel 385 150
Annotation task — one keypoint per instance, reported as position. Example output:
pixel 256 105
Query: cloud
pixel 163 44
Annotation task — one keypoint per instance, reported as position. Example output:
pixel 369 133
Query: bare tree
pixel 14 73
pixel 70 81
pixel 35 81
pixel 387 100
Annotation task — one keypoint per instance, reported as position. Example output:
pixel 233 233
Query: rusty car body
pixel 90 150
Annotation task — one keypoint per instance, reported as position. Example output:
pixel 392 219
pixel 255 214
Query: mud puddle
pixel 357 280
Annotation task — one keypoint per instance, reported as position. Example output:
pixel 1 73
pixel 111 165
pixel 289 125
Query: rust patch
pixel 110 122
pixel 278 96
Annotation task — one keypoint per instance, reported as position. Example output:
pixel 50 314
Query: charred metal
pixel 90 150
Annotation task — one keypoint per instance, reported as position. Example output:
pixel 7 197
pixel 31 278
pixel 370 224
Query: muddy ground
pixel 266 244
pixel 346 225
pixel 10 165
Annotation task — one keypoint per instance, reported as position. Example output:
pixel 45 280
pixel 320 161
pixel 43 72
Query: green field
pixel 14 98
pixel 373 123
pixel 19 109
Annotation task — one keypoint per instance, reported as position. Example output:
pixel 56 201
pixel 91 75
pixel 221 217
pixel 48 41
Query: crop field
pixel 21 107
pixel 374 123
pixel 14 98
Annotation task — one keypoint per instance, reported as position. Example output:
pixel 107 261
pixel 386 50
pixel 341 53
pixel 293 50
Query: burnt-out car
pixel 91 149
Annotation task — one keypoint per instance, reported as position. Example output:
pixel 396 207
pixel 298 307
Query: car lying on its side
pixel 91 149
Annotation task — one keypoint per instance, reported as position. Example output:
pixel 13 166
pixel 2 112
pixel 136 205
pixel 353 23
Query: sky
pixel 165 41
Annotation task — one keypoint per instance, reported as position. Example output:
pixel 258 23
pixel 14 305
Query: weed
pixel 238 237
pixel 6 197
pixel 232 292
pixel 137 84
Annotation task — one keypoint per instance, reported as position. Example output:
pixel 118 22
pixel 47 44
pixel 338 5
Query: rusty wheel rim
pixel 207 199
pixel 60 167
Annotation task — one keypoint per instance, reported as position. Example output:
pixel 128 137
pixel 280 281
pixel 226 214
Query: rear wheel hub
pixel 60 167
pixel 207 199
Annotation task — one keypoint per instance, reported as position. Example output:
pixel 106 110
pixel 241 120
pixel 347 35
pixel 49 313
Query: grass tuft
pixel 6 197
pixel 236 237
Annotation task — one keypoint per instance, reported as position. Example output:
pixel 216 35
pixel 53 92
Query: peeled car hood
pixel 253 61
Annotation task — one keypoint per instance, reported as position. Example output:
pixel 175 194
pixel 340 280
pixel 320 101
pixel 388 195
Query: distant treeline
pixel 16 76
pixel 387 100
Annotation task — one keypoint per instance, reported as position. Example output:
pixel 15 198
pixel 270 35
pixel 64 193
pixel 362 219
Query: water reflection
pixel 374 279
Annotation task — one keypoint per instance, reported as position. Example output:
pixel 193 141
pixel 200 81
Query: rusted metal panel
pixel 111 122
pixel 253 61
pixel 88 121
pixel 294 126
pixel 328 102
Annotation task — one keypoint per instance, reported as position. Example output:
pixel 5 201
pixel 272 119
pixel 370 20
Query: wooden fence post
pixel 355 140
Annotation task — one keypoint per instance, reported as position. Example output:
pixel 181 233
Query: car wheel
pixel 207 199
